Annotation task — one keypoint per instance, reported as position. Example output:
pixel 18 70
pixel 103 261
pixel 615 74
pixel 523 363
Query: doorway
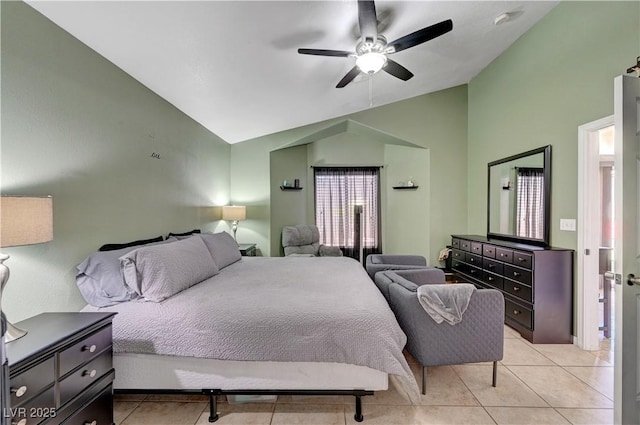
pixel 596 207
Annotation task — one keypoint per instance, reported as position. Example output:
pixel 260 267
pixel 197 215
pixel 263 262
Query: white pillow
pixel 223 248
pixel 160 271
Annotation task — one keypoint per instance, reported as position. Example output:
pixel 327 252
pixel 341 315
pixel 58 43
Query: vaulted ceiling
pixel 233 66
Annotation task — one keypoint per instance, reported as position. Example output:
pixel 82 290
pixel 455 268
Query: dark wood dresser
pixel 537 283
pixel 61 372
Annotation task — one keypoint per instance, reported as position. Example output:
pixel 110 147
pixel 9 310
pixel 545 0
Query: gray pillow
pixel 100 281
pixel 223 248
pixel 160 271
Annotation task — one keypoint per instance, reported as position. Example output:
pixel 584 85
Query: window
pixel 530 202
pixel 338 194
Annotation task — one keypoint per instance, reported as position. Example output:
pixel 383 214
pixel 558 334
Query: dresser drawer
pixel 98 412
pixel 465 245
pixel 84 350
pixel 518 313
pixel 457 255
pixel 476 248
pixel 473 259
pixel 489 250
pixel 455 243
pixel 492 266
pixel 492 279
pixel 518 274
pixel 522 259
pixel 35 410
pixel 459 266
pixel 474 271
pixel 84 376
pixel 519 290
pixel 505 255
pixel 28 383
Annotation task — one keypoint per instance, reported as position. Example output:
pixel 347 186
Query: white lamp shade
pixel 25 220
pixel 371 62
pixel 234 212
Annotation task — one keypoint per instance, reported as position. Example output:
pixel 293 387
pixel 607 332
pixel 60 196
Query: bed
pixel 263 325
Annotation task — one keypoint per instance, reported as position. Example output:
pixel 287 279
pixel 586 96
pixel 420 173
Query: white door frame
pixel 589 228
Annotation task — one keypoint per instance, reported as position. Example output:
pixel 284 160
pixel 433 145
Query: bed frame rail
pixel 213 403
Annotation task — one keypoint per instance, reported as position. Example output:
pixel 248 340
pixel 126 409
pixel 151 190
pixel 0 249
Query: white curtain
pixel 530 203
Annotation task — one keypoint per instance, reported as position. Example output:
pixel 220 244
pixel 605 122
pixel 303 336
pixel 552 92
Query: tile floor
pixel 537 384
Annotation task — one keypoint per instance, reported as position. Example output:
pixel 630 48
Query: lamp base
pixel 13 333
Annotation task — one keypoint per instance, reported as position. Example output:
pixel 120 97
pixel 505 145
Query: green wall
pixel 437 121
pixel 557 76
pixel 78 128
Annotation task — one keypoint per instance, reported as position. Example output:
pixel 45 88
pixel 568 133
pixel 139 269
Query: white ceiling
pixel 233 66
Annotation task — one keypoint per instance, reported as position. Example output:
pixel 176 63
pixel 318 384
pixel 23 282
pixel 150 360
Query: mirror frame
pixel 546 151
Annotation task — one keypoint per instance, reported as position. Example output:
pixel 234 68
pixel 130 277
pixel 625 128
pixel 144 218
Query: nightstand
pixel 247 249
pixel 61 370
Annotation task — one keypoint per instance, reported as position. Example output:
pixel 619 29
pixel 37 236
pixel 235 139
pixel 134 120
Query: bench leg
pixel 424 380
pixel 495 373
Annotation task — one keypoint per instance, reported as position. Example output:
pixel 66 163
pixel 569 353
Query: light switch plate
pixel 568 224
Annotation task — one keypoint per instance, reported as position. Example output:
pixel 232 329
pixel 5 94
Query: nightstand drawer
pixel 84 350
pixel 84 376
pixel 35 410
pixel 98 412
pixel 30 382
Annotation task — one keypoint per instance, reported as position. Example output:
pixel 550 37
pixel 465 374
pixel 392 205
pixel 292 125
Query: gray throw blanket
pixel 445 302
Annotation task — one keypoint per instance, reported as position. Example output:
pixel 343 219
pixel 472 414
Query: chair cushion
pixel 301 239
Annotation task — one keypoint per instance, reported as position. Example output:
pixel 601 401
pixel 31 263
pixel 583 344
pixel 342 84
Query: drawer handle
pixel 472 260
pixel 502 254
pixel 20 391
pixel 516 289
pixel 90 423
pixel 520 259
pixel 491 279
pixel 91 373
pixel 22 421
pixel 491 266
pixel 90 348
pixel 516 312
pixel 472 271
pixel 516 274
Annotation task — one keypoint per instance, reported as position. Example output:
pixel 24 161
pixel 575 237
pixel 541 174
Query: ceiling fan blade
pixel 368 20
pixel 324 52
pixel 397 70
pixel 420 36
pixel 349 77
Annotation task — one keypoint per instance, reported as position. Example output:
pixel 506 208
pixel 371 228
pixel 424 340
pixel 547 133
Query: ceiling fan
pixel 372 51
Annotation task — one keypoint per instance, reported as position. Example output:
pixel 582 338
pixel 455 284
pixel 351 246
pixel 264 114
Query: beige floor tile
pixel 122 409
pixel 308 414
pixel 569 355
pixel 383 415
pixel 450 415
pixel 511 333
pixel 526 416
pixel 606 355
pixel 517 352
pixel 390 396
pixel 599 378
pixel 588 416
pixel 444 387
pixel 165 413
pixel 240 414
pixel 559 388
pixel 510 391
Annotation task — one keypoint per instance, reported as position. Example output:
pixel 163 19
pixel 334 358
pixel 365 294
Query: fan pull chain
pixel 370 90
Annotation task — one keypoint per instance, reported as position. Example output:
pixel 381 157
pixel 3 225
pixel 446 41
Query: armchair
pixel 380 262
pixel 304 240
pixel 478 338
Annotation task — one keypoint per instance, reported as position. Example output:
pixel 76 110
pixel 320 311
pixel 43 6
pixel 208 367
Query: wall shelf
pixel 405 187
pixel 290 188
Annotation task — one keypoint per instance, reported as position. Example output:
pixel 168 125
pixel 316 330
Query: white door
pixel 626 257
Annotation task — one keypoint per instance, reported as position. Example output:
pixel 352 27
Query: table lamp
pixel 235 213
pixel 24 220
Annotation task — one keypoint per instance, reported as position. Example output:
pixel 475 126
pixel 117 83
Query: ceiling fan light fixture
pixel 371 62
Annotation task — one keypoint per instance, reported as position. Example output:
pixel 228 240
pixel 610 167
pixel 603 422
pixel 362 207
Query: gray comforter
pixel 272 309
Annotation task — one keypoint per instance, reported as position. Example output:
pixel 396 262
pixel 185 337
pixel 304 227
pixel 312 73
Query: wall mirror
pixel 518 197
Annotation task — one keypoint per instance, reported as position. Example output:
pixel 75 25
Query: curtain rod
pixel 346 166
